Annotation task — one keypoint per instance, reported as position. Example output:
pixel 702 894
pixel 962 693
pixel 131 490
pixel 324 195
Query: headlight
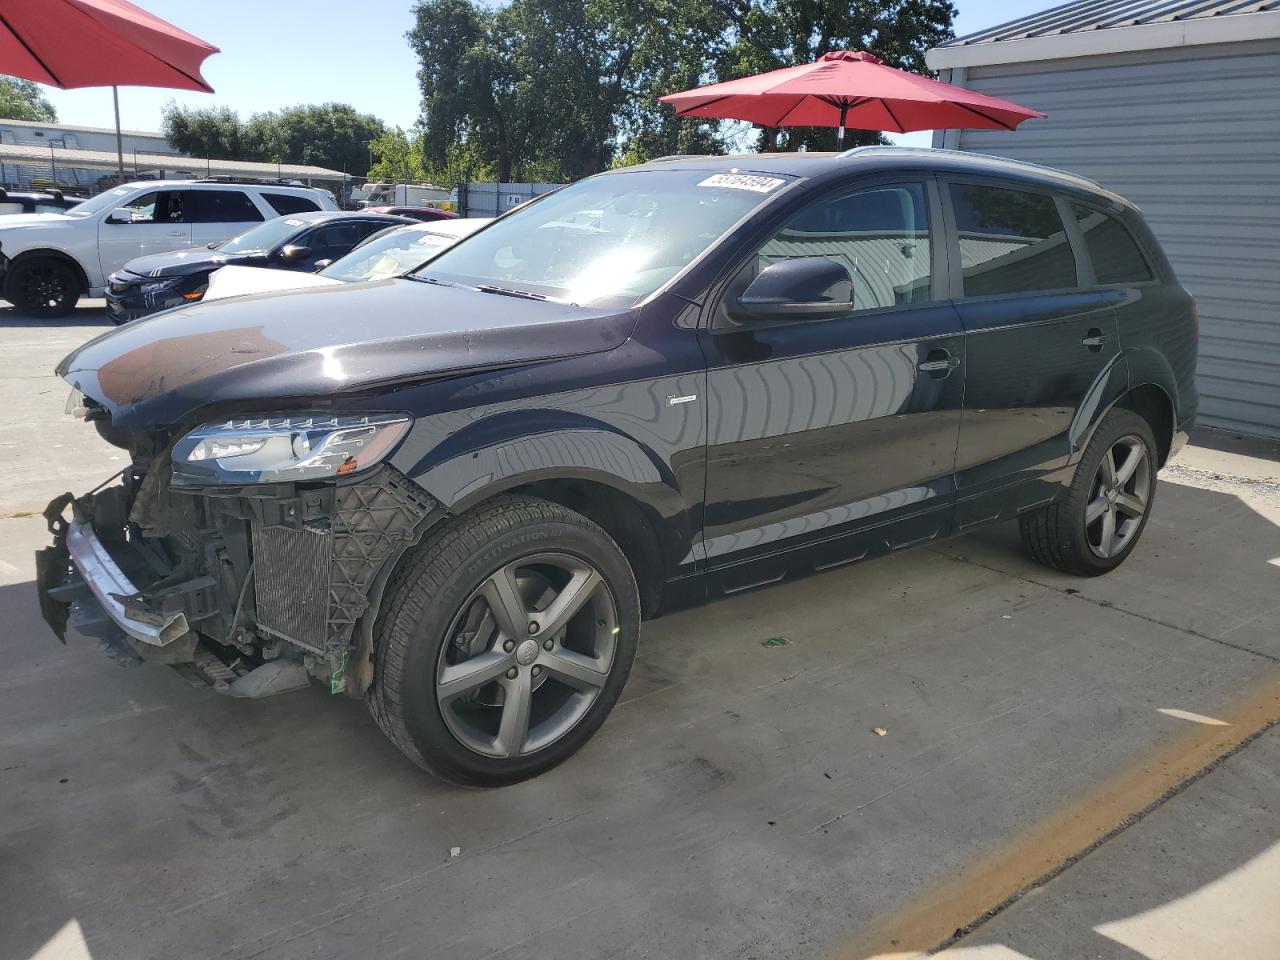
pixel 285 448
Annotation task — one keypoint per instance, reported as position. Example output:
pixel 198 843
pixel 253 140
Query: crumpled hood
pixel 183 263
pixel 305 344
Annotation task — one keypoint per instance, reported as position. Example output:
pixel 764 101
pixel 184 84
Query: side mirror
pixel 120 215
pixel 321 264
pixel 293 252
pixel 806 288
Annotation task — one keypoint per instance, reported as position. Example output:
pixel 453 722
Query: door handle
pixel 1095 340
pixel 938 364
pixel 177 233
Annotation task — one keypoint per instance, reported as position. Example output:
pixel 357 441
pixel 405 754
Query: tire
pixel 1071 534
pixel 43 287
pixel 450 681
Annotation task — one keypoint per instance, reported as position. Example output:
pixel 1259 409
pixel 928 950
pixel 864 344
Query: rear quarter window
pixel 287 203
pixel 1011 241
pixel 1116 256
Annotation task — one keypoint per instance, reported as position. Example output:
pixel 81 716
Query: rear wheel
pixel 1097 524
pixel 506 640
pixel 43 287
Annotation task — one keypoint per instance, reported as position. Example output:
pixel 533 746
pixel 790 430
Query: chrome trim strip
pixel 104 579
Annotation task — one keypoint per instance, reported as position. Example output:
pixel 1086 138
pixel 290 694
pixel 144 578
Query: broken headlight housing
pixel 282 449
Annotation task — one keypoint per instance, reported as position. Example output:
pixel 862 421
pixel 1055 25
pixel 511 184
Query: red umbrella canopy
pixel 98 43
pixel 845 89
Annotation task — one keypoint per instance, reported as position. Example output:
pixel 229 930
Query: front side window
pixel 159 206
pixel 334 239
pixel 609 240
pixel 1011 241
pixel 1115 254
pixel 220 206
pixel 880 235
pixel 287 203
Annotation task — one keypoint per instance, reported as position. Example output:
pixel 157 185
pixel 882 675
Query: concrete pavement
pixel 737 803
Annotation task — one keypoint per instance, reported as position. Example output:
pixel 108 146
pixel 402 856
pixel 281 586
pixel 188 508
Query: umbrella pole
pixel 115 97
pixel 844 112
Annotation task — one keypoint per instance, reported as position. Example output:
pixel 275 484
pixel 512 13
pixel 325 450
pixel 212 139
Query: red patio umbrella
pixel 845 89
pixel 98 43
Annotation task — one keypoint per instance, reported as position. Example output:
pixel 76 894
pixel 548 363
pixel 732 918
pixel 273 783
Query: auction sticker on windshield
pixel 742 181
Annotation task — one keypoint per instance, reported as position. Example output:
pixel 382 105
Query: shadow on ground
pixel 737 803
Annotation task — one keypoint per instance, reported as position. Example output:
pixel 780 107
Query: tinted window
pixel 881 236
pixel 1011 241
pixel 220 206
pixel 1115 255
pixel 287 203
pixel 159 206
pixel 333 240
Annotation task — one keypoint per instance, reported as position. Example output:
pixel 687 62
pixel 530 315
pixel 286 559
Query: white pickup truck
pixel 48 261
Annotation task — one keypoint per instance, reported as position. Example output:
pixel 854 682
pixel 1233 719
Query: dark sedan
pixel 302 241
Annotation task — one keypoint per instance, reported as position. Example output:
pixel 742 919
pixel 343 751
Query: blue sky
pixel 277 53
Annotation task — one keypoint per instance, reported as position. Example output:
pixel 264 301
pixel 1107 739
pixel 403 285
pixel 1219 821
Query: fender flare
pixel 516 448
pixel 1132 368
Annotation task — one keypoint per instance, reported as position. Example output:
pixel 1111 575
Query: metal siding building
pixel 1177 107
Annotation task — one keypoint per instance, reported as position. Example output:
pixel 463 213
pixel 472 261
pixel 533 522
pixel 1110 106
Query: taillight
pixel 1195 317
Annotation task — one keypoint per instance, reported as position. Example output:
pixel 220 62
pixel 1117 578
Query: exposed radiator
pixel 291 583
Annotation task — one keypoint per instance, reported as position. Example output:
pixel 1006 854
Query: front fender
pixel 514 448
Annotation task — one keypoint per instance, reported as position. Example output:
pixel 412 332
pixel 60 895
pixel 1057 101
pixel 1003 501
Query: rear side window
pixel 1115 254
pixel 220 206
pixel 287 203
pixel 880 235
pixel 1011 241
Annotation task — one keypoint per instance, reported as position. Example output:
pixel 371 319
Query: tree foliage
pixel 399 157
pixel 558 89
pixel 332 135
pixel 24 100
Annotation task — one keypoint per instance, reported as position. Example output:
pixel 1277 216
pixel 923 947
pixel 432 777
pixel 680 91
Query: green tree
pixel 24 100
pixel 557 89
pixel 399 157
pixel 332 135
pixel 213 132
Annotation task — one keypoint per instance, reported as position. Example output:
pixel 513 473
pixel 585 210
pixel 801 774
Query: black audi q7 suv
pixel 458 493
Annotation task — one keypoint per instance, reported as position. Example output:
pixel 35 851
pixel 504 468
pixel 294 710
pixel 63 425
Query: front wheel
pixel 42 287
pixel 506 640
pixel 1097 524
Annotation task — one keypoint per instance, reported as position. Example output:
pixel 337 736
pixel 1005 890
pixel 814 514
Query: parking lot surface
pixel 1070 756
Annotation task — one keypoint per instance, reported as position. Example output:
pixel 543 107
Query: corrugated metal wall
pixel 1192 136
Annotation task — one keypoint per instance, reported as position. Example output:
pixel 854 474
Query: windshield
pixel 265 237
pixel 610 240
pixel 393 254
pixel 103 201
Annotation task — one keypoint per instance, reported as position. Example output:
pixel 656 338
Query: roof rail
pixel 678 156
pixel 258 181
pixel 967 155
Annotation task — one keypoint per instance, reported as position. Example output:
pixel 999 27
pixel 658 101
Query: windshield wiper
pixel 509 292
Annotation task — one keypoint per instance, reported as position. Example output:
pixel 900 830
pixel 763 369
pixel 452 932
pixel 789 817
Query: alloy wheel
pixel 527 655
pixel 44 287
pixel 1118 497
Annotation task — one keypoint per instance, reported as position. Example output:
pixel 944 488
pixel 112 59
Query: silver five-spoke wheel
pixel 1119 496
pixel 527 655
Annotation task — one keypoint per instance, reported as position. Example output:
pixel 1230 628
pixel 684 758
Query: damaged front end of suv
pixel 242 552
